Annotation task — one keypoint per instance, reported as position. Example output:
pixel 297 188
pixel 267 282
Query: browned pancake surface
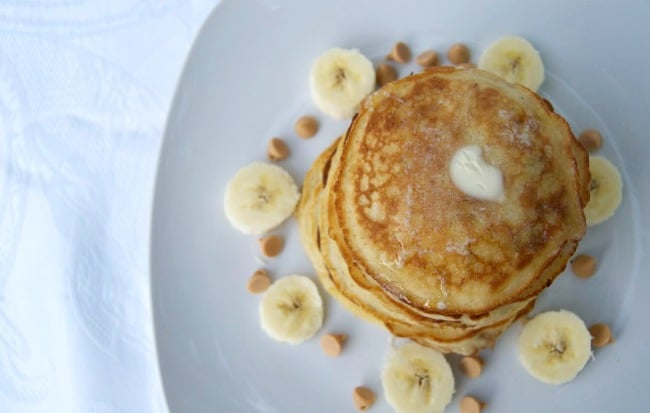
pixel 424 241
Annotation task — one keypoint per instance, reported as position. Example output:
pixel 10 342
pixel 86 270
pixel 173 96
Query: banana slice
pixel 554 346
pixel 514 59
pixel 260 197
pixel 339 81
pixel 417 379
pixel 291 309
pixel 606 191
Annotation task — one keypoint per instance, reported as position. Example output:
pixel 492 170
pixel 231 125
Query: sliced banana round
pixel 605 192
pixel 514 59
pixel 260 197
pixel 291 309
pixel 417 379
pixel 339 80
pixel 554 346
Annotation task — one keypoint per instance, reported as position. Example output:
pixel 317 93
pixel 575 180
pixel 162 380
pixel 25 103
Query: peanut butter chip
pixel 427 58
pixel 385 73
pixel 470 404
pixel 458 53
pixel 591 139
pixel 258 282
pixel 271 246
pixel 400 53
pixel 277 150
pixel 583 266
pixel 601 335
pixel 472 366
pixel 363 398
pixel 467 65
pixel 332 344
pixel 306 126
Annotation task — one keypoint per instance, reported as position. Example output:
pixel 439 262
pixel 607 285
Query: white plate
pixel 247 80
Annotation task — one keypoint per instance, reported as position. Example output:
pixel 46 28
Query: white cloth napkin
pixel 84 91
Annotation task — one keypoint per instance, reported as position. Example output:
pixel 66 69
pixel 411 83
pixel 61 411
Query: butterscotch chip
pixel 472 366
pixel 400 53
pixel 467 65
pixel 277 150
pixel 601 335
pixel 271 245
pixel 306 126
pixel 332 344
pixel 591 139
pixel 583 266
pixel 385 73
pixel 469 404
pixel 458 53
pixel 363 398
pixel 427 58
pixel 258 282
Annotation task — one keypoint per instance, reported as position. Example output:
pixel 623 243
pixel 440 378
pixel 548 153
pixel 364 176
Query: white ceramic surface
pixel 247 80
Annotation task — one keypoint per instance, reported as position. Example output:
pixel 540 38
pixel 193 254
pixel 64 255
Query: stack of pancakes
pixel 397 243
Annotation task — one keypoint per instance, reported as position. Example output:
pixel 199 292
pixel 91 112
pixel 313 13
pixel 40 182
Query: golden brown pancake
pixel 426 242
pixel 398 244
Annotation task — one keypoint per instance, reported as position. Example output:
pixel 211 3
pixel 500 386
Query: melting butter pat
pixel 475 177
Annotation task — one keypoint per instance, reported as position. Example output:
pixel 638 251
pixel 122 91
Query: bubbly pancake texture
pixel 399 245
pixel 426 242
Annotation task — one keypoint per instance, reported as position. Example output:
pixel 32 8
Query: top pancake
pixel 428 244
